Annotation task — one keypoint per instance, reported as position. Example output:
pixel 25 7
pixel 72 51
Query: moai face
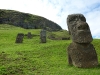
pixel 78 28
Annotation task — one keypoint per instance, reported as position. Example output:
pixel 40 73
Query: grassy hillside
pixel 34 58
pixel 26 20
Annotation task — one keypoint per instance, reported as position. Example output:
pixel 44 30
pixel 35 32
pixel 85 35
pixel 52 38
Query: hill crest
pixel 26 20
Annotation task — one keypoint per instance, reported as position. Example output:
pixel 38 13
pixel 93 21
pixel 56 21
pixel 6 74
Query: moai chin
pixel 81 53
pixel 43 36
pixel 19 38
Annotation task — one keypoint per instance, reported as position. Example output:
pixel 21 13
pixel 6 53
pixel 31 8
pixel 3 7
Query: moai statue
pixel 43 36
pixel 81 53
pixel 19 38
pixel 29 35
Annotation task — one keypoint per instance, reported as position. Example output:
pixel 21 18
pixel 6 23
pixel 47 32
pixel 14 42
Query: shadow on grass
pixel 98 67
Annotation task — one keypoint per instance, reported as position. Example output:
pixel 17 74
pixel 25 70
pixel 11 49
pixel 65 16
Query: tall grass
pixel 34 58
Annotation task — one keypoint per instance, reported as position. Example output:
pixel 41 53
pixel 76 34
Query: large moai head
pixel 79 29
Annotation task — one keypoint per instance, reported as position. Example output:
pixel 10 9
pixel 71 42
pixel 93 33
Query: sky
pixel 58 10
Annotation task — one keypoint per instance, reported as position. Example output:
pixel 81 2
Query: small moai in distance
pixel 81 53
pixel 67 38
pixel 29 35
pixel 19 38
pixel 43 36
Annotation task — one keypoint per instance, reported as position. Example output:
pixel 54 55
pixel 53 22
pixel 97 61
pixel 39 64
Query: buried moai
pixel 43 36
pixel 19 38
pixel 81 53
pixel 29 35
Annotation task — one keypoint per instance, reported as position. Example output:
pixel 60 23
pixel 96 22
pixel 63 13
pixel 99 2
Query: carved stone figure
pixel 81 53
pixel 19 38
pixel 43 36
pixel 29 35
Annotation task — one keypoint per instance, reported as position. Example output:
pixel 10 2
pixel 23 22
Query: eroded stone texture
pixel 43 36
pixel 19 38
pixel 81 53
pixel 78 28
pixel 29 35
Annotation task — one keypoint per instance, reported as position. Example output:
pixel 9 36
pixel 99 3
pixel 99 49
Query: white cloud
pixel 58 10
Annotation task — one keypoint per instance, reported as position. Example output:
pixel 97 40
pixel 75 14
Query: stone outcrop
pixel 81 53
pixel 26 20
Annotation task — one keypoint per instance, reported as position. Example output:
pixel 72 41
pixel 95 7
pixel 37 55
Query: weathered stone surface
pixel 43 36
pixel 79 29
pixel 81 53
pixel 29 35
pixel 19 38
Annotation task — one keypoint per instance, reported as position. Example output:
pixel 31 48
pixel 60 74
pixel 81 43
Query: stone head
pixel 78 28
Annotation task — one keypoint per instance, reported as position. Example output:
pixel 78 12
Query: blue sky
pixel 58 10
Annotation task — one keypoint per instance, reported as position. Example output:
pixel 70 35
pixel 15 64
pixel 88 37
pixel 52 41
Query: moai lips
pixel 81 53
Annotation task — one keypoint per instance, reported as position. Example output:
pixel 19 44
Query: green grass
pixel 34 58
pixel 58 35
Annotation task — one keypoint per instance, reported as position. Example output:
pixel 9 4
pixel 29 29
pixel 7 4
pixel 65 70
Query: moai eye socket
pixel 82 18
pixel 73 19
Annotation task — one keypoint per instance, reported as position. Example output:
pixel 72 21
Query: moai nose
pixel 83 26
